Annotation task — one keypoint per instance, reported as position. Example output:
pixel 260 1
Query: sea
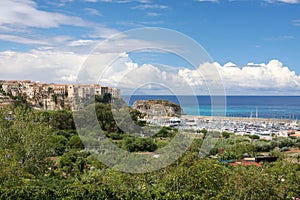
pixel 280 107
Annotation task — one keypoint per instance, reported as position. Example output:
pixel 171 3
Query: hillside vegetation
pixel 42 157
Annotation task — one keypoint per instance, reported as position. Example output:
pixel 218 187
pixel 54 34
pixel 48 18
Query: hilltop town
pixel 51 96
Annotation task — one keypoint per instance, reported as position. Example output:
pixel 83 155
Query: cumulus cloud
pixel 46 66
pixel 69 78
pixel 252 79
pixel 272 78
pixel 130 77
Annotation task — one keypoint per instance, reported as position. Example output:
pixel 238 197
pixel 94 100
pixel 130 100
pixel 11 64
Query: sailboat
pixel 256 112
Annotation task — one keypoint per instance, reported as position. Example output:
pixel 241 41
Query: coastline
pixel 265 128
pixel 280 108
pixel 225 118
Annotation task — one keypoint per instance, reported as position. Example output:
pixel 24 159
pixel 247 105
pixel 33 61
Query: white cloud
pixel 63 66
pixel 69 78
pixel 22 40
pixel 296 22
pixel 38 40
pixel 230 64
pixel 102 32
pixel 81 43
pixel 150 6
pixel 270 78
pixel 17 13
pixel 283 1
pixel 153 22
pixel 152 14
pixel 94 1
pixel 93 11
pixel 129 77
pixel 47 66
pixel 119 1
pixel 214 1
pixel 280 38
pixel 253 78
pixel 289 1
pixel 21 21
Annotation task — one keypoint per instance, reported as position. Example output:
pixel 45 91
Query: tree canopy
pixel 43 157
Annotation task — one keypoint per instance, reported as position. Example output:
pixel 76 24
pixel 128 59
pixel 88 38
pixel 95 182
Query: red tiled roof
pixel 246 164
pixel 296 135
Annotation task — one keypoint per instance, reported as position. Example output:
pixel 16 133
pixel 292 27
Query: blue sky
pixel 236 31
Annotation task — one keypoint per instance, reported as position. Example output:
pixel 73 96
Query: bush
pixel 213 151
pixel 133 144
pixel 284 142
pixel 254 137
pixel 116 136
pixel 161 144
pixel 226 134
pixel 228 155
pixel 165 132
pixel 297 144
pixel 62 120
pixel 75 142
pixel 263 146
pixel 60 142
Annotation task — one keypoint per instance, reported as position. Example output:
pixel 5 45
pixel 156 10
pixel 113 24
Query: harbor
pixel 266 128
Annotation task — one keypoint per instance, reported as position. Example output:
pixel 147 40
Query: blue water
pixel 283 107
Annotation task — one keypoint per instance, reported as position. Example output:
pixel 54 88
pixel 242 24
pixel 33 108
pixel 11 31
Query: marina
pixel 263 127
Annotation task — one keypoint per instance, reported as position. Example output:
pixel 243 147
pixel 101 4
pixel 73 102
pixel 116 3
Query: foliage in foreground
pixel 41 157
pixel 201 179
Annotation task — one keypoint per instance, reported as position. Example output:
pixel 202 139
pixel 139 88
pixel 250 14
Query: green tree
pixel 27 140
pixel 226 134
pixel 73 162
pixel 134 144
pixel 105 117
pixel 254 137
pixel 107 98
pixel 59 142
pixel 75 142
pixel 228 155
pixel 62 120
pixel 166 132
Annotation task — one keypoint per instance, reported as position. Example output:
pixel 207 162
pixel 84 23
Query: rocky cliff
pixel 158 108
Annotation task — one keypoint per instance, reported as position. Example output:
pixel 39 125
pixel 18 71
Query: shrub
pixel 133 144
